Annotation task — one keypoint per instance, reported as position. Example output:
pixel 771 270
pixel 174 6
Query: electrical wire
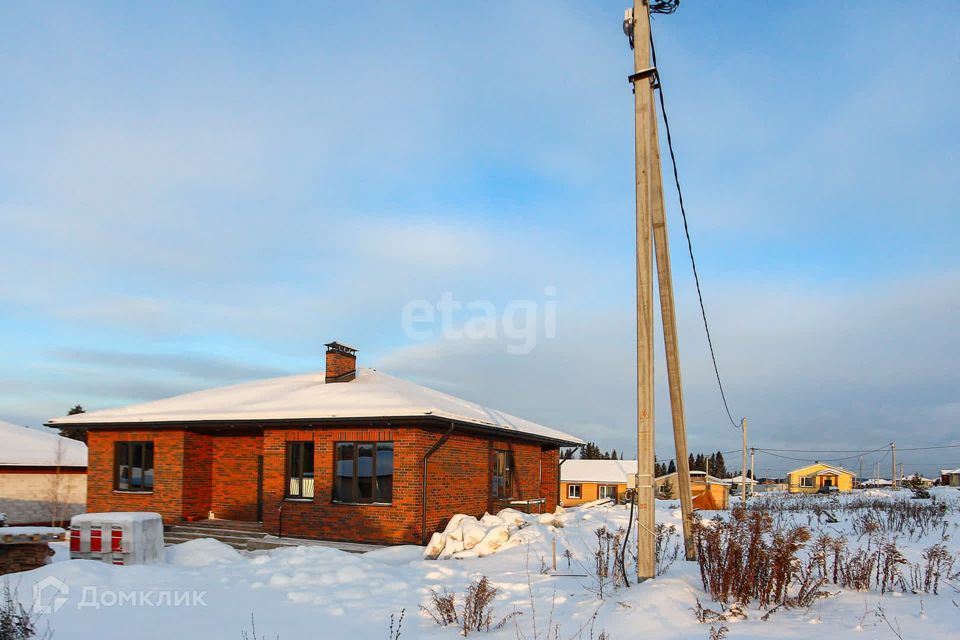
pixel 686 231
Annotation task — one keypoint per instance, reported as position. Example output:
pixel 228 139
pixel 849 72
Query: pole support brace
pixel 643 73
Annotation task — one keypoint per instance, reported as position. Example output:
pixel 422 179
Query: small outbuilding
pixel 709 493
pixel 950 477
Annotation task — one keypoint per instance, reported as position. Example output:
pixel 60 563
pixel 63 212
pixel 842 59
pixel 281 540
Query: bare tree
pixel 58 487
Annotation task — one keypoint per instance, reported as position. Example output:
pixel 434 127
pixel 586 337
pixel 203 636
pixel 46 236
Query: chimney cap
pixel 341 348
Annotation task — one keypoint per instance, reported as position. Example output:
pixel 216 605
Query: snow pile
pixel 31 531
pixel 466 537
pixel 202 552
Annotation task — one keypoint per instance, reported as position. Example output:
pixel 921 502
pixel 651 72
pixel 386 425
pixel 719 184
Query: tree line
pixel 712 463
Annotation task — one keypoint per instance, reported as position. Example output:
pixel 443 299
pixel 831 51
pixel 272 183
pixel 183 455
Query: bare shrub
pixel 745 559
pixel 667 546
pixel 16 623
pixel 719 633
pixel 253 632
pixel 476 614
pixel 395 632
pixel 443 608
pixel 939 564
pixel 609 562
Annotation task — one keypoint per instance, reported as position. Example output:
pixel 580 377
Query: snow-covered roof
pixel 699 476
pixel 613 471
pixel 308 397
pixel 949 472
pixel 25 447
pixel 738 480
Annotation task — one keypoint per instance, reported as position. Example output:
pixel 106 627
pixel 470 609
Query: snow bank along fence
pixel 118 538
pixel 26 548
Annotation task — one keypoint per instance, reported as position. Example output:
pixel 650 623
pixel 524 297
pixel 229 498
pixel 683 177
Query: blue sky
pixel 193 196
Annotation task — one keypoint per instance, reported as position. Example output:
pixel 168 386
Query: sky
pixel 196 195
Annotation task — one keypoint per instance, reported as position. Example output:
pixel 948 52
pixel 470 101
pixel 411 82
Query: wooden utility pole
pixel 639 25
pixel 860 474
pixel 668 318
pixel 753 475
pixel 893 466
pixel 743 464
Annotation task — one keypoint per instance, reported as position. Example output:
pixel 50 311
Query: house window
pixel 363 472
pixel 808 481
pixel 573 491
pixel 503 474
pixel 300 470
pixel 608 491
pixel 133 465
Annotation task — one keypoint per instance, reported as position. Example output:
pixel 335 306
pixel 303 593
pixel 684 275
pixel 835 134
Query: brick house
pixel 348 454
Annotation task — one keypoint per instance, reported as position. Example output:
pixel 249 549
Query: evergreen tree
pixel 672 468
pixel 74 434
pixel 721 466
pixel 691 462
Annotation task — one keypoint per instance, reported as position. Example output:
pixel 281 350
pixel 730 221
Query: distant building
pixel 588 480
pixel 43 477
pixel 950 477
pixel 709 493
pixel 813 477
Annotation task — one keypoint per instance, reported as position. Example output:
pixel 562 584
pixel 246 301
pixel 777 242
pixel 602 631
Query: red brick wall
pixel 234 473
pixel 221 475
pixel 167 496
pixel 197 475
pixel 459 477
pixel 550 481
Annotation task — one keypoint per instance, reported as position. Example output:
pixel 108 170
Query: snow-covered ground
pixel 207 590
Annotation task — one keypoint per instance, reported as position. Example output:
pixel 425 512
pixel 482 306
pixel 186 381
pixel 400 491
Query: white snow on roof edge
pixel 308 397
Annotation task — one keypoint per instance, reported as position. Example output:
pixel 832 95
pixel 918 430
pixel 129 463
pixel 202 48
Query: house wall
pixel 234 475
pixel 706 495
pixel 196 473
pixel 42 495
pixel 458 481
pixel 843 480
pixel 167 497
pixel 589 491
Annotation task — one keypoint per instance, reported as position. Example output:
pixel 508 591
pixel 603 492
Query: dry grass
pixel 476 614
pixel 746 559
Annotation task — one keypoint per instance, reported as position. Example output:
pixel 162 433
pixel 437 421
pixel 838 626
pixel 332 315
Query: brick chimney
pixel 341 363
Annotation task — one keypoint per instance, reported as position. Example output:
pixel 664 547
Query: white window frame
pixel 808 482
pixel 604 491
pixel 570 488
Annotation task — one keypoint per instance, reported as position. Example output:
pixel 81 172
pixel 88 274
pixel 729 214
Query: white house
pixel 43 477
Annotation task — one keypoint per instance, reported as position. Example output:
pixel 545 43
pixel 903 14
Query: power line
pixel 886 446
pixel 686 228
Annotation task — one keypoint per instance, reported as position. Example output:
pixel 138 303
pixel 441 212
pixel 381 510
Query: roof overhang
pixel 254 425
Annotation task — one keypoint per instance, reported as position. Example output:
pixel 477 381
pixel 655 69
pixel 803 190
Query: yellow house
pixel 588 480
pixel 814 477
